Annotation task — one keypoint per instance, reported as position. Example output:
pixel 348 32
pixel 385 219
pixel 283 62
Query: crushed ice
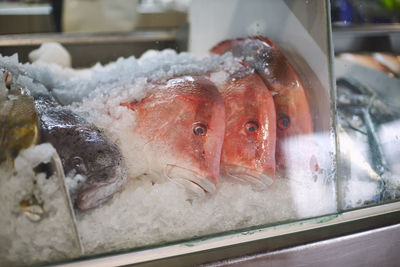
pixel 146 212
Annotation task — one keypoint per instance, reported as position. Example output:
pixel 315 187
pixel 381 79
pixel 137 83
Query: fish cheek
pixel 152 121
pixel 239 145
pixel 212 142
pixel 177 135
pixel 236 144
pixel 284 115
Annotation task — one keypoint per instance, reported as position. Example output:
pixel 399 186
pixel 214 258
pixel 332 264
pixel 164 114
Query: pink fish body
pixel 292 110
pixel 183 123
pixel 248 153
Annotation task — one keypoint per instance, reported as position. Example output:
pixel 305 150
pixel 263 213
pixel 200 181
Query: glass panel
pixel 368 132
pixel 367 68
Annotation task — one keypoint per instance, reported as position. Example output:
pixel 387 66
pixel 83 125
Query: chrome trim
pixel 272 238
pixel 85 38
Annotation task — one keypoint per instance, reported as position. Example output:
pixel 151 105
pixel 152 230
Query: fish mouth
pixel 243 174
pixel 96 194
pixel 192 181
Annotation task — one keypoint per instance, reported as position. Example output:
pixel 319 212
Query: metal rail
pixel 80 38
pixel 252 242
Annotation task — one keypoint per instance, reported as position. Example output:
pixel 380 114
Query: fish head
pixel 183 122
pixel 248 153
pixel 293 115
pixel 93 164
pixel 95 156
pixel 85 151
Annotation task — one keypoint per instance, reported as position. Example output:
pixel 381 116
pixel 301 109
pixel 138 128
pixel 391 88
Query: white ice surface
pixel 144 213
pixel 29 158
pixel 53 53
pixel 309 172
pixel 24 241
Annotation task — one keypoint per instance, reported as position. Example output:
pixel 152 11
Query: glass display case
pixel 229 132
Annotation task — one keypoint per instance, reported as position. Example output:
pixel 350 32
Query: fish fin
pixel 131 105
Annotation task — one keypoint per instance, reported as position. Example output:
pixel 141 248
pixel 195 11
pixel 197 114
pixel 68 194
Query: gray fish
pixel 84 150
pixel 361 111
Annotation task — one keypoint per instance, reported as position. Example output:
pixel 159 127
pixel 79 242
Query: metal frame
pixel 89 49
pixel 251 242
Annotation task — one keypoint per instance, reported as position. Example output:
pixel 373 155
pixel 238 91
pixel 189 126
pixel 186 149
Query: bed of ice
pixel 26 238
pixel 149 210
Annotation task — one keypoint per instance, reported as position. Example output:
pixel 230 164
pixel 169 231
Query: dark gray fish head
pixel 93 165
pixel 92 155
pixel 85 150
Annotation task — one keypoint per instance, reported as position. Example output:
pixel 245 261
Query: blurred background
pixel 93 30
pixel 40 16
pixel 102 30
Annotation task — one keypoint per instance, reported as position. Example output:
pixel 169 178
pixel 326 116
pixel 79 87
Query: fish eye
pixel 251 126
pixel 76 161
pixel 283 122
pixel 79 165
pixel 199 128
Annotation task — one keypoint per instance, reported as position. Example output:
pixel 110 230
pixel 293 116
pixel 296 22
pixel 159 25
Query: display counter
pixel 255 146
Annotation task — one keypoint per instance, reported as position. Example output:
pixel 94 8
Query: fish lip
pixel 192 181
pixel 244 174
pixel 93 196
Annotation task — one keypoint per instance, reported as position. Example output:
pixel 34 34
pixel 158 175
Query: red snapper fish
pixel 292 109
pixel 248 152
pixel 183 122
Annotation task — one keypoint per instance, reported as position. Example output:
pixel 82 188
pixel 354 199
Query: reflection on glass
pixel 357 12
pixel 368 136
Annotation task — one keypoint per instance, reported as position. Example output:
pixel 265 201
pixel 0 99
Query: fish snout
pixel 101 186
pixel 195 182
pixel 259 180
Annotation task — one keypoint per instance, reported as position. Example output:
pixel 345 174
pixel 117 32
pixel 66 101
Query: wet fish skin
pixel 83 149
pixel 292 108
pixel 248 152
pixel 183 123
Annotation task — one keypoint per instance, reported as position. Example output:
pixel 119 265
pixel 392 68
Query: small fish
pixel 183 123
pixel 18 121
pixel 248 153
pixel 84 151
pixel 292 109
